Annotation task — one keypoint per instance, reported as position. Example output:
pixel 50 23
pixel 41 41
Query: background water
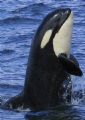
pixel 19 20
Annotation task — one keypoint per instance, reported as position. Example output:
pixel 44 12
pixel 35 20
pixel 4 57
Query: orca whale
pixel 50 63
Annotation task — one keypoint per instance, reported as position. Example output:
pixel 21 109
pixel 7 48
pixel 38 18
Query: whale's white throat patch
pixel 62 39
pixel 46 38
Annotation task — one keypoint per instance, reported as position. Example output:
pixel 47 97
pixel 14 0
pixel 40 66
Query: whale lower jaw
pixel 62 39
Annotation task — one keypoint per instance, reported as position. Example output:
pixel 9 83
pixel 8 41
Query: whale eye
pixel 46 38
pixel 55 15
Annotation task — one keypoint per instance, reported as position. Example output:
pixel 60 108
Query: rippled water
pixel 19 20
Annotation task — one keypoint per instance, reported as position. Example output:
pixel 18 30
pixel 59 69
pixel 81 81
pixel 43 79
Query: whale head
pixel 56 29
pixel 57 26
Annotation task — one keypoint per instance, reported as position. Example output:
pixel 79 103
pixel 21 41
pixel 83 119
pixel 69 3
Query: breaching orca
pixel 50 63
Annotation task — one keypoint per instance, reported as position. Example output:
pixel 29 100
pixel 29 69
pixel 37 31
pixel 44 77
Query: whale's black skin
pixel 45 72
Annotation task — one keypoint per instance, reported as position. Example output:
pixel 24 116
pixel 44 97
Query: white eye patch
pixel 46 38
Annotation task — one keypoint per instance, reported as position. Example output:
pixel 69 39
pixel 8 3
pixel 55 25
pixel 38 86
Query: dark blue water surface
pixel 19 20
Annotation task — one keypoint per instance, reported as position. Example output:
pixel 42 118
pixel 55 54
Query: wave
pixel 7 51
pixel 30 7
pixel 19 38
pixel 18 19
pixel 4 85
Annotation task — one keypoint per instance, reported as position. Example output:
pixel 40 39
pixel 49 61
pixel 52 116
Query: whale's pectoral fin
pixel 71 65
pixel 72 58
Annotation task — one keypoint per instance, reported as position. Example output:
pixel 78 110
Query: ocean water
pixel 19 20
